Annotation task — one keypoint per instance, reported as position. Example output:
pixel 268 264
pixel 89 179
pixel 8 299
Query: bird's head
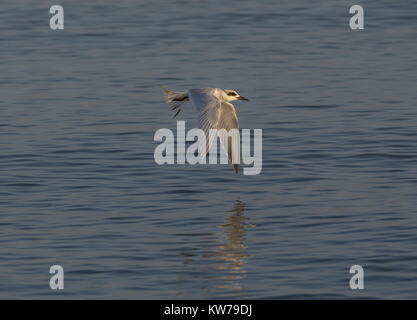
pixel 233 95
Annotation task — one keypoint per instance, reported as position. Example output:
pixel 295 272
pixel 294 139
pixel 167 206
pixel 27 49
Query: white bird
pixel 215 111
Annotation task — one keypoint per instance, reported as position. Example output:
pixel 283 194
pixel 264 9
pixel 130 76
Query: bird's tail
pixel 175 99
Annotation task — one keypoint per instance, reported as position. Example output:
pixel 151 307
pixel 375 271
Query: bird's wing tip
pixel 236 167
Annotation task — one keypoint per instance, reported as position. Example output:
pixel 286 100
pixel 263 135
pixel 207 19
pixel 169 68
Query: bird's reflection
pixel 221 267
pixel 231 254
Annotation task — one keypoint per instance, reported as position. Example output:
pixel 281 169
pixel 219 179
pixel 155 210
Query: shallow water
pixel 79 186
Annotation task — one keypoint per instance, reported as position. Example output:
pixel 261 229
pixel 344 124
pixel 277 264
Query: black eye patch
pixel 232 94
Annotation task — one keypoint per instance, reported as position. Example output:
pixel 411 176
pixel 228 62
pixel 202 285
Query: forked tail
pixel 175 99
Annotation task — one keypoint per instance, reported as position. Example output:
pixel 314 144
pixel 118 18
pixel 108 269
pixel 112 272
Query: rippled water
pixel 79 186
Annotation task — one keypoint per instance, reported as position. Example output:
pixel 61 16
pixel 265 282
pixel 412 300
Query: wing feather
pixel 230 142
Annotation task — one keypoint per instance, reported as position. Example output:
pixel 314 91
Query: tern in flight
pixel 215 113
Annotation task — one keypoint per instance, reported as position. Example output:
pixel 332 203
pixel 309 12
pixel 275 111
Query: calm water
pixel 79 186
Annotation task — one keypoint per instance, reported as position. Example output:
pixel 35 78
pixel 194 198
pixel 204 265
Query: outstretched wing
pixel 215 114
pixel 230 140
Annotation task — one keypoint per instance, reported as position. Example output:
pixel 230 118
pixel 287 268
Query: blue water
pixel 79 186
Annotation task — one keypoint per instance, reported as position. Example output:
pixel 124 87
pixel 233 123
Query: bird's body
pixel 215 112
